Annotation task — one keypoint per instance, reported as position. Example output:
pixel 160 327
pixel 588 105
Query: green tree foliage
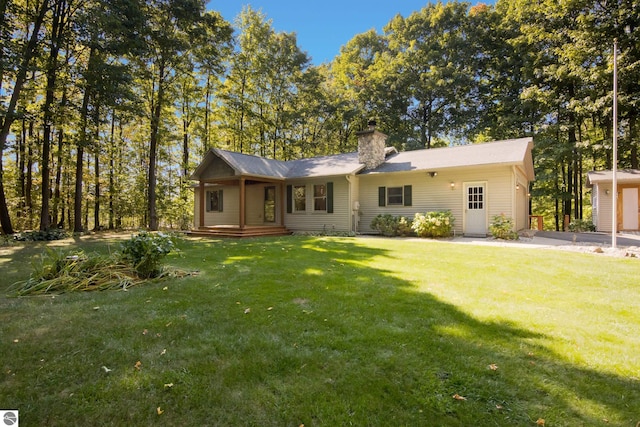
pixel 106 107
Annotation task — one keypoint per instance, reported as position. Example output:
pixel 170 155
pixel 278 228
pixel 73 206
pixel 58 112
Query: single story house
pixel 238 194
pixel 627 210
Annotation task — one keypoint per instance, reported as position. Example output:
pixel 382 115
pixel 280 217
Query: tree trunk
pixel 57 202
pixel 28 187
pixel 22 178
pixel 9 115
pixel 96 142
pixel 207 107
pixel 57 29
pixel 632 139
pixel 77 202
pixel 186 122
pixel 82 142
pixel 85 220
pixel 112 149
pixel 557 201
pixel 153 148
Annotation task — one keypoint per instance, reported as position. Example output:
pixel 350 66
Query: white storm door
pixel 630 209
pixel 475 210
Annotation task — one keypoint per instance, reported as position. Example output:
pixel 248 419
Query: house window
pixel 475 198
pixel 300 198
pixel 320 197
pixel 214 201
pixel 394 196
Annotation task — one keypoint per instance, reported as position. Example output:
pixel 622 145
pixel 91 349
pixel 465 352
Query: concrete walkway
pixel 601 239
pixel 548 239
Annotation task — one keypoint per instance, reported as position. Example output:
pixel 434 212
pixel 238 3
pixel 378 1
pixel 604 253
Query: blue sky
pixel 323 27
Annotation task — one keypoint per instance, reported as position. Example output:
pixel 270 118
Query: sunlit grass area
pixel 331 331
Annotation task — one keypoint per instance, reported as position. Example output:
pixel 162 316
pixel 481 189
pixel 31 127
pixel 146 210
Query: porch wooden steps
pixel 248 231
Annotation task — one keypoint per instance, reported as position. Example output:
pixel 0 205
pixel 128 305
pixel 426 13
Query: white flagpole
pixel 614 209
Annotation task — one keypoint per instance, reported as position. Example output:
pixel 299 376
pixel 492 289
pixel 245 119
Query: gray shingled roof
pixel 507 152
pixel 245 164
pixel 628 175
pixel 253 165
pixel 339 164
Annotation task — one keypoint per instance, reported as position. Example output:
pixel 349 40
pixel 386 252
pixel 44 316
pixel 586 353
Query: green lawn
pixel 331 332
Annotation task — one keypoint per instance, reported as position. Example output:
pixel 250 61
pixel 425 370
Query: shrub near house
pixel 433 224
pixel 430 224
pixel 501 227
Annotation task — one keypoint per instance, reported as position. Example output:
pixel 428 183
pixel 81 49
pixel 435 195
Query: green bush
pixel 433 224
pixel 581 225
pixel 386 224
pixel 391 226
pixel 501 227
pixel 145 252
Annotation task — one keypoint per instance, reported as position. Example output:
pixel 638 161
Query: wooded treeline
pixel 107 106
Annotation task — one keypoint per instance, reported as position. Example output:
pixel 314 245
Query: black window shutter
pixel 382 196
pixel 219 200
pixel 289 198
pixel 407 195
pixel 329 197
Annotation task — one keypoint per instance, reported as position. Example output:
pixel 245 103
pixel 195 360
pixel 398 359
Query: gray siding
pixel 436 194
pixel 338 221
pixel 230 212
pixel 604 207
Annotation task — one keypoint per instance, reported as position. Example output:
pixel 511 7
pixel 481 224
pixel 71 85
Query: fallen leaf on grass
pixel 499 406
pixel 16 341
pixel 540 422
pixel 163 352
pixel 107 370
pixel 270 308
pixel 138 365
pixel 247 310
pixel 159 410
pixel 168 385
pixel 166 288
pixel 493 367
pixel 458 397
pixel 145 332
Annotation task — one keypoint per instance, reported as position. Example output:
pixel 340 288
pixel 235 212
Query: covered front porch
pixel 241 206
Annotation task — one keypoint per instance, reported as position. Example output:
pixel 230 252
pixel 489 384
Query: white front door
pixel 630 209
pixel 475 209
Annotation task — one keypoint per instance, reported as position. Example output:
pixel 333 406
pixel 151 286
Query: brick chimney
pixel 371 145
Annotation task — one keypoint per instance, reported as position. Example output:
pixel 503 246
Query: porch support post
pixel 201 206
pixel 242 203
pixel 282 203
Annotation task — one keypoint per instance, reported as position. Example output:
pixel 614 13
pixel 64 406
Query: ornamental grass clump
pixel 58 272
pixel 433 224
pixel 502 227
